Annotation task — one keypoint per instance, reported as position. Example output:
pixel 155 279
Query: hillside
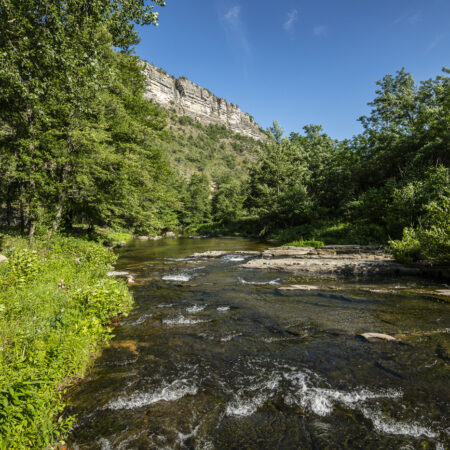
pixel 213 149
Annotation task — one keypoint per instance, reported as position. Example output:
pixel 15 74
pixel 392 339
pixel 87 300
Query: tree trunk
pixel 31 184
pixel 59 210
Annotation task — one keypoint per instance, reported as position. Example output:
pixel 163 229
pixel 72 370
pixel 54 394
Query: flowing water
pixel 217 357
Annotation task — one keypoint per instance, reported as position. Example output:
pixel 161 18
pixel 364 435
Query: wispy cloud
pixel 235 28
pixel 411 18
pixel 291 20
pixel 435 42
pixel 233 15
pixel 320 30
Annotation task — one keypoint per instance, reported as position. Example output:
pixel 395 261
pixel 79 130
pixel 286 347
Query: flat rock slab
pixel 372 337
pixel 299 287
pixel 328 266
pixel 219 253
pixel 329 252
pixel 445 292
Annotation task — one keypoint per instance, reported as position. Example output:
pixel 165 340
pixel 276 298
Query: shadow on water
pixel 216 356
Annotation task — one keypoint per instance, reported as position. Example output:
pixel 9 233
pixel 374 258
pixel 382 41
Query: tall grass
pixel 55 305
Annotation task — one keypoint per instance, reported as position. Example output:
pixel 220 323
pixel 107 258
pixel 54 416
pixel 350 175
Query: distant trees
pixel 393 177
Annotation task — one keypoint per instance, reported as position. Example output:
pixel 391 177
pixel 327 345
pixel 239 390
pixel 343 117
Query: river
pixel 215 356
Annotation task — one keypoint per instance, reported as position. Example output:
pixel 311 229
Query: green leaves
pixel 51 323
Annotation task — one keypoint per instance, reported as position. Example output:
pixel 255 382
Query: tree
pixel 197 201
pixel 55 62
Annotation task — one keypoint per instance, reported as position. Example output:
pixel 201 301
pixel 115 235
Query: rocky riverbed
pixel 340 260
pixel 216 355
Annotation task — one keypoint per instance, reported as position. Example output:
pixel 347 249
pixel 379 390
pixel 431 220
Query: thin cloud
pixel 291 20
pixel 320 30
pixel 411 18
pixel 233 15
pixel 235 29
pixel 435 42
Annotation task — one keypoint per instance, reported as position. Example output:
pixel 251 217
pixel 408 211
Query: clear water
pixel 217 357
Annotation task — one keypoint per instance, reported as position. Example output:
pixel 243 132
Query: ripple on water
pixel 181 320
pixel 195 309
pixel 233 258
pixel 168 393
pixel 271 282
pixel 177 277
pixel 302 388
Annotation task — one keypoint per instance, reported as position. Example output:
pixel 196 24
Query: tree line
pixel 79 144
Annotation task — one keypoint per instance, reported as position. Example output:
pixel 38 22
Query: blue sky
pixel 299 62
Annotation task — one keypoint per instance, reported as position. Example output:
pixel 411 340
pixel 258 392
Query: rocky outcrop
pixel 340 260
pixel 189 99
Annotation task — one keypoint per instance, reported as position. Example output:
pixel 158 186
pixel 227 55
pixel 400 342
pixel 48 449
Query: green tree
pixel 53 64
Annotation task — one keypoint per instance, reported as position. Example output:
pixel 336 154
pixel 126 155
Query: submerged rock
pixel 373 337
pixel 299 287
pixel 220 253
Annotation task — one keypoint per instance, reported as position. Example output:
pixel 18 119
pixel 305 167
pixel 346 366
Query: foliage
pixel 77 137
pixel 431 239
pixel 55 304
pixel 310 243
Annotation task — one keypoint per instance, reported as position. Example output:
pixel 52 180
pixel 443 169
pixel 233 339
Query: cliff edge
pixel 189 99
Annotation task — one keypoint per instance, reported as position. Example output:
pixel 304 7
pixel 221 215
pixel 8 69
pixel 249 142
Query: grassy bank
pixel 55 303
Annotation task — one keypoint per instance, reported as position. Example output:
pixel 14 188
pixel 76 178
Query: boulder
pixel 3 259
pixel 143 238
pixel 169 234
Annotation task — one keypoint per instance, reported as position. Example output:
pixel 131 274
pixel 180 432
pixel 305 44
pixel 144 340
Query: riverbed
pixel 216 356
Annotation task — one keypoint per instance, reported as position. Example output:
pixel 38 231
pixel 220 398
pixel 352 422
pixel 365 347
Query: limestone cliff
pixel 189 99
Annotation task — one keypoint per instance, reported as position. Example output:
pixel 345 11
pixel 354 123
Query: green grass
pixel 310 243
pixel 55 306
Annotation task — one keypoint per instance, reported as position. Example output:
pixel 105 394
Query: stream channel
pixel 215 356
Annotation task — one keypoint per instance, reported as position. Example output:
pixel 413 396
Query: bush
pixel 55 303
pixel 431 239
pixel 408 249
pixel 310 243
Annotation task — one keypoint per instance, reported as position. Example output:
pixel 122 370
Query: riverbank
pixel 56 302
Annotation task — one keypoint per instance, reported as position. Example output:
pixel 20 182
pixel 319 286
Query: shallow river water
pixel 215 356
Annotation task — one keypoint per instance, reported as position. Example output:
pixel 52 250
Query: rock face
pixel 189 99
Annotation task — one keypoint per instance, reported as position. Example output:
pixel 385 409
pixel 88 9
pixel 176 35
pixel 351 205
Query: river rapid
pixel 215 356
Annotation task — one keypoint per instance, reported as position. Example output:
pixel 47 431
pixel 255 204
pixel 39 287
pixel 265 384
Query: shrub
pixel 310 243
pixel 55 301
